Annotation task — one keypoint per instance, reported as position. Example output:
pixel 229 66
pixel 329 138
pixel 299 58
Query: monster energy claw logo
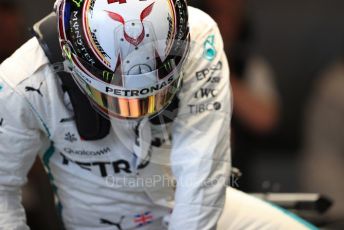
pixel 67 52
pixel 107 76
pixel 78 2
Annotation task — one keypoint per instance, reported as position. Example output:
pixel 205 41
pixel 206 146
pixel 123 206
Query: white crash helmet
pixel 125 55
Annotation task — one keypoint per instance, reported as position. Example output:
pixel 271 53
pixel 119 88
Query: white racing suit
pixel 104 184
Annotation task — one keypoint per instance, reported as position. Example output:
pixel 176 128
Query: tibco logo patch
pixel 201 108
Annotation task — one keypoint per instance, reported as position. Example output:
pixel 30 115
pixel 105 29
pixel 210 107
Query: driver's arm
pixel 201 150
pixel 20 141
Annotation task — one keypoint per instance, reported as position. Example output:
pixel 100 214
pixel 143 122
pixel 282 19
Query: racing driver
pixel 132 125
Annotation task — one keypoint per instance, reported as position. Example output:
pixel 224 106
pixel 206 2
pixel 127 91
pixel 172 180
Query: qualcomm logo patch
pixel 209 48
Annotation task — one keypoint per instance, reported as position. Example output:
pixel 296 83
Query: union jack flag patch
pixel 143 219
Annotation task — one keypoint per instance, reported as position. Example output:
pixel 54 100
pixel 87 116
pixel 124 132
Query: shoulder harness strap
pixel 90 124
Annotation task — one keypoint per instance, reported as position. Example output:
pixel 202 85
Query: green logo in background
pixel 209 48
pixel 67 52
pixel 78 2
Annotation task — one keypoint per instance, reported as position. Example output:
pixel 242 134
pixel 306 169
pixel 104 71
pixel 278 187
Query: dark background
pixel 299 38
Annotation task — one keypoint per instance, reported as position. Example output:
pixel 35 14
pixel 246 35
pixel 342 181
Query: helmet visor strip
pixel 130 107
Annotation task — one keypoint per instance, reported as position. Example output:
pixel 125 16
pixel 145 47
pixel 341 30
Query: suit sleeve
pixel 201 136
pixel 20 141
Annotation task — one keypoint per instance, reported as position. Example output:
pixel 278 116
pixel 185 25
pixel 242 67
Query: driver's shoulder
pixel 200 24
pixel 24 64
